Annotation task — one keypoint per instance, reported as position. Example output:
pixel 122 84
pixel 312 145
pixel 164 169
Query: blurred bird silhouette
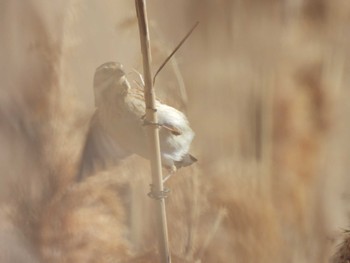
pixel 117 128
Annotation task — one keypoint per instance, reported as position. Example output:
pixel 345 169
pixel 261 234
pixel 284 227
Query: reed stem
pixel 153 134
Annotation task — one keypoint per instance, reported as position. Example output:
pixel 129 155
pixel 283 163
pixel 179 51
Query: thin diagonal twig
pixel 176 49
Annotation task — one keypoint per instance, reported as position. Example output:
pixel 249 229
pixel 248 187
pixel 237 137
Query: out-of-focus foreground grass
pixel 266 90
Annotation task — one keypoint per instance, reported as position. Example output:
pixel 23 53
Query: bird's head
pixel 109 77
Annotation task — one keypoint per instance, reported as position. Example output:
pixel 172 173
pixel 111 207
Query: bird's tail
pixel 187 160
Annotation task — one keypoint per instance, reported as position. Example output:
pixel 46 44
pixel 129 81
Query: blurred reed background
pixel 265 89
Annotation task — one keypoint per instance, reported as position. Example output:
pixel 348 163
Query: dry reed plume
pixel 266 90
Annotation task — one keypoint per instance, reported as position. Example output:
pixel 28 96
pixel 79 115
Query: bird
pixel 120 116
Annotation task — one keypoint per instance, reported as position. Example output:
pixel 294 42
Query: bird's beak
pixel 123 82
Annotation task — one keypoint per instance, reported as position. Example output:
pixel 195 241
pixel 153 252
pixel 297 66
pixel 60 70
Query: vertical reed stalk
pixel 153 133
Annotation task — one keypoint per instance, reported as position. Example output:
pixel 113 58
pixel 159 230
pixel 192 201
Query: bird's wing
pixel 99 151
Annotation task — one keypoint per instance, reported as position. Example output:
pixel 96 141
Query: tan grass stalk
pixel 153 132
pixel 222 213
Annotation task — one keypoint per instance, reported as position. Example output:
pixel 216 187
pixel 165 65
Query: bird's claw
pixel 172 171
pixel 146 123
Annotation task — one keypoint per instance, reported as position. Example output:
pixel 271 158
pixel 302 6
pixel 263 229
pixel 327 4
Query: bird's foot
pixel 171 171
pixel 146 123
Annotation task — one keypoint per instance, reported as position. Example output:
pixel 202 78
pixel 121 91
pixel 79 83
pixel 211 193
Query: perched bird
pixel 120 111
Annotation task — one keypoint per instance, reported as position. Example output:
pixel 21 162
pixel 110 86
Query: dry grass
pixel 267 94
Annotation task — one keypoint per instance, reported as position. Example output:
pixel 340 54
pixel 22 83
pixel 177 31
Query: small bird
pixel 120 111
